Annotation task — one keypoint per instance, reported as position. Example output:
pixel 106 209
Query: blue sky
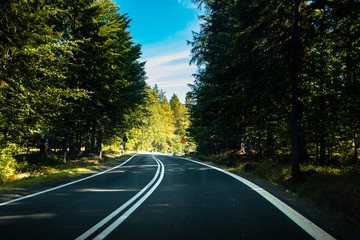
pixel 162 27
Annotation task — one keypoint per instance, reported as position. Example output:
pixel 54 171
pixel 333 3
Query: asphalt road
pixel 155 197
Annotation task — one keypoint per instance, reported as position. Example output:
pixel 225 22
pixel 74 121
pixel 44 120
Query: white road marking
pixel 313 230
pixel 64 185
pixel 115 224
pixel 121 208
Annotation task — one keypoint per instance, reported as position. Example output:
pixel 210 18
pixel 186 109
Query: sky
pixel 163 27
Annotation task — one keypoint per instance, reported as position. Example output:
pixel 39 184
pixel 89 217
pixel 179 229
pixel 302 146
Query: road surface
pixel 155 197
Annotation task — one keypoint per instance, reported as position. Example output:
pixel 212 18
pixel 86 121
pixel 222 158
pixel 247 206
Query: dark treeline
pixel 70 75
pixel 278 78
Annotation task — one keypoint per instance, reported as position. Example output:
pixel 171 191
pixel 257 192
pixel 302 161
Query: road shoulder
pixel 334 225
pixel 10 194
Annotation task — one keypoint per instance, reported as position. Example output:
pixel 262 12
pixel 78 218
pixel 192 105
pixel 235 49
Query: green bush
pixel 35 161
pixel 37 158
pixel 7 161
pixel 114 148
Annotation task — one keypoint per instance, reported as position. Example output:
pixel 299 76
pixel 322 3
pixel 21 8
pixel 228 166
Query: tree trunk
pixel 48 145
pixel 322 150
pixel 92 142
pixel 72 147
pixel 87 143
pixel 270 152
pixel 65 151
pixel 296 107
pixel 65 156
pixel 99 145
pixel 355 156
pixel 78 142
pixel 259 144
pixel 42 147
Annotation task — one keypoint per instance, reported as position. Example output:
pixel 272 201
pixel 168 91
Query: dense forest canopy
pixel 71 81
pixel 70 73
pixel 278 78
pixel 162 125
pixel 275 79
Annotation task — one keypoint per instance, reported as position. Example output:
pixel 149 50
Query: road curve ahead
pixel 155 197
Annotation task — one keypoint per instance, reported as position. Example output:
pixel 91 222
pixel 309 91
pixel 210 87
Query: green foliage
pixel 30 162
pixel 161 125
pixel 7 161
pixel 277 77
pixel 70 75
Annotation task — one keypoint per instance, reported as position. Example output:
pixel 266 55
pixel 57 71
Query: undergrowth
pixel 30 173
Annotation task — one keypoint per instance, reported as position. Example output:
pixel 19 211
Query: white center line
pixel 107 231
pixel 115 224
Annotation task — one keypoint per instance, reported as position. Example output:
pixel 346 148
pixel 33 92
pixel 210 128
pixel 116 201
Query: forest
pixel 278 79
pixel 276 94
pixel 71 82
pixel 162 125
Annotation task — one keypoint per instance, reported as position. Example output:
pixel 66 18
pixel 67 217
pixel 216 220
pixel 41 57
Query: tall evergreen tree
pixel 70 75
pixel 271 76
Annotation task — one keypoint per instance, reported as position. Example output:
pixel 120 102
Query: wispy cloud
pixel 169 68
pixel 166 71
pixel 170 71
pixel 187 3
pixel 160 60
pixel 167 62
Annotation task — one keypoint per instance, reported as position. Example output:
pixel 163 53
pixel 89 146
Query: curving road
pixel 155 197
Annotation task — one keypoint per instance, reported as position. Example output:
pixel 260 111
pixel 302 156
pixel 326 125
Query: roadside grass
pixel 339 192
pixel 42 173
pixel 335 189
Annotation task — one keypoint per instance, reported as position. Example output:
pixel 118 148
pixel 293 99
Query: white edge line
pixel 121 208
pixel 312 229
pixel 122 218
pixel 64 185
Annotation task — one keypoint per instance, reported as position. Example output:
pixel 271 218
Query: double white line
pixel 153 184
